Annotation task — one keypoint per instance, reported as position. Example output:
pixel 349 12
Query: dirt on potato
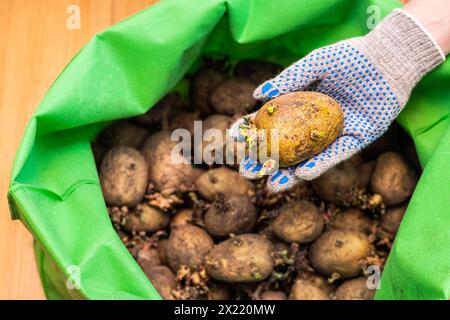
pixel 304 123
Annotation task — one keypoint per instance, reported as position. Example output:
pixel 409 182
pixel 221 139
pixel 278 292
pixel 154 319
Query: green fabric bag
pixel 124 70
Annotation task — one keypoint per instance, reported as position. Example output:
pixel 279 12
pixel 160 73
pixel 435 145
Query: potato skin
pixel 352 219
pixel 391 220
pixel 393 178
pixel 184 120
pixel 365 171
pixel 218 291
pixel 188 246
pixel 234 96
pixel 339 251
pixel 123 133
pixel 354 289
pixel 306 290
pixel 218 122
pixel 184 216
pixel 319 281
pixel 258 71
pixel 222 180
pixel 123 176
pixel 307 122
pixel 230 214
pixel 244 258
pixel 298 221
pixel 201 86
pixel 162 250
pixel 336 181
pixel 164 281
pixel 162 171
pixel 146 218
pixel 161 110
pixel 273 295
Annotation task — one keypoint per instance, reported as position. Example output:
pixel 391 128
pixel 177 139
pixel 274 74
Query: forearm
pixel 434 17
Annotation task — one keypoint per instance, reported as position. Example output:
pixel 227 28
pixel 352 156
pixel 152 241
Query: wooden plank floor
pixel 35 45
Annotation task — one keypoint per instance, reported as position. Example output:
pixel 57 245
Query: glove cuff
pixel 402 50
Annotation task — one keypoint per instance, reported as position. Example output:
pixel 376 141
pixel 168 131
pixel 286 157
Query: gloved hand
pixel 371 77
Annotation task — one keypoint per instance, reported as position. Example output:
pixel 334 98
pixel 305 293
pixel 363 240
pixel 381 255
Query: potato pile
pixel 204 232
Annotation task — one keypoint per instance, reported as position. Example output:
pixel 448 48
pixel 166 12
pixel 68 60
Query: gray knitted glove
pixel 371 77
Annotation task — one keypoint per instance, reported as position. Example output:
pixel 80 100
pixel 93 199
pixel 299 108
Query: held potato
pixel 339 251
pixel 304 122
pixel 222 180
pixel 393 178
pixel 123 176
pixel 146 218
pixel 244 258
pixel 166 169
pixel 306 290
pixel 230 214
pixel 352 219
pixel 336 181
pixel 298 221
pixel 234 96
pixel 354 289
pixel 164 281
pixel 188 246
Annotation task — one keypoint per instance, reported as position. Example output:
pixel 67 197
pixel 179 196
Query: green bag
pixel 124 70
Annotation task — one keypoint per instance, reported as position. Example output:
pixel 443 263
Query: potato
pixel 354 289
pixel 184 120
pixel 231 214
pixel 306 290
pixel 218 291
pixel 222 181
pixel 365 171
pixel 201 86
pixel 336 181
pixel 339 251
pixel 391 220
pixel 305 124
pixel 147 257
pixel 257 71
pixel 319 282
pixel 244 258
pixel 352 219
pixel 184 216
pixel 234 96
pixel 161 111
pixel 273 295
pixel 188 246
pixel 220 123
pixel 164 281
pixel 166 170
pixel 123 176
pixel 146 218
pixel 123 133
pixel 393 178
pixel 162 251
pixel 298 221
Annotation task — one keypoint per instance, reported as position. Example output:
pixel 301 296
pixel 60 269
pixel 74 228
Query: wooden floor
pixel 35 45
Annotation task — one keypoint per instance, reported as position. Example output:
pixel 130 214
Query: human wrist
pixel 433 17
pixel 402 51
